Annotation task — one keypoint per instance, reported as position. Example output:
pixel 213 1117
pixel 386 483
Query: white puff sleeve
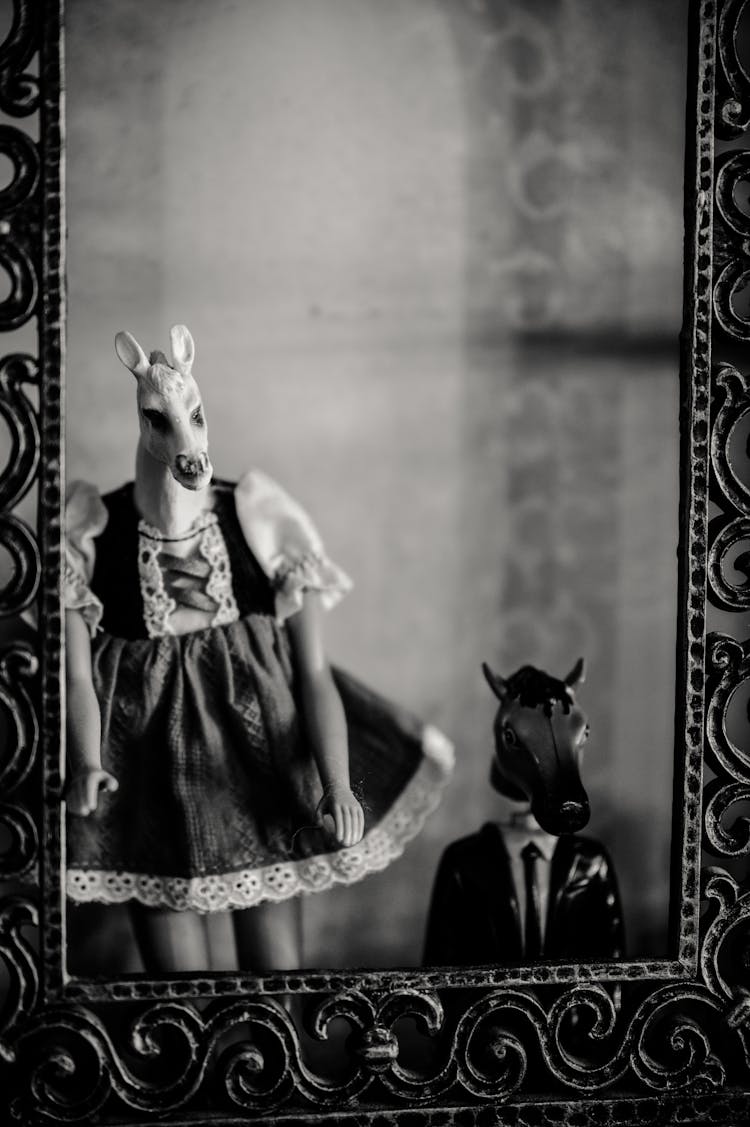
pixel 85 519
pixel 287 545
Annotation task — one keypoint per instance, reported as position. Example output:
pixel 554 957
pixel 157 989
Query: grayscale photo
pixel 374 493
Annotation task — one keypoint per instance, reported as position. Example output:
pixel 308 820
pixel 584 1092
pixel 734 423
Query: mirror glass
pixel 430 254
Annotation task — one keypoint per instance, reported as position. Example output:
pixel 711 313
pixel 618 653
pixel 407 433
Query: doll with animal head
pixel 213 754
pixel 528 886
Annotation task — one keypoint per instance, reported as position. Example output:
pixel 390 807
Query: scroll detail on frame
pixel 679 1043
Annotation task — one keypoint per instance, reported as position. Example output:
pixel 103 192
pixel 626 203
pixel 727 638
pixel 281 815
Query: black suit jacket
pixel 474 916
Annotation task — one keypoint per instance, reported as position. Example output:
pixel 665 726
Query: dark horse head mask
pixel 540 732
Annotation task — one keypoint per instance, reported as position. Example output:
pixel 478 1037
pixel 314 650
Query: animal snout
pixel 574 815
pixel 191 465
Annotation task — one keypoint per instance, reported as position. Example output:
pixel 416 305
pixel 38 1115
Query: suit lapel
pixel 562 874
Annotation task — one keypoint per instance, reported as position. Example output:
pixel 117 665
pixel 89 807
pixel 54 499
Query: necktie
pixel 533 923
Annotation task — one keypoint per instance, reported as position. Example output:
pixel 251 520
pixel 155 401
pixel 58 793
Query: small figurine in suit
pixel 529 888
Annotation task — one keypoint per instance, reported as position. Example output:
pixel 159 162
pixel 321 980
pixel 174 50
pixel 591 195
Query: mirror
pixel 431 256
pixel 474 1044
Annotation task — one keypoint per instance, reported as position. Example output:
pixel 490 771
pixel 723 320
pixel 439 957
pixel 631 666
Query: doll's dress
pixel 218 791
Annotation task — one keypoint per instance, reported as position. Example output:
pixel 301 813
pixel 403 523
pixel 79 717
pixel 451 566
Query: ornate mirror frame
pixel 503 1046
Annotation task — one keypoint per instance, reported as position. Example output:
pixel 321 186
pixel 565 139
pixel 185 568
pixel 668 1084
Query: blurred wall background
pixel 430 252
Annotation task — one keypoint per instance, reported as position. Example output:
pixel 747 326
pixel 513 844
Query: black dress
pixel 218 788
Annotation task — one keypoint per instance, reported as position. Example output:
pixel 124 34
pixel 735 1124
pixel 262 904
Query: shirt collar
pixel 517 837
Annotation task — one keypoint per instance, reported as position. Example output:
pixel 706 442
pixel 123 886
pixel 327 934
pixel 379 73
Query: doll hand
pixel 347 814
pixel 83 790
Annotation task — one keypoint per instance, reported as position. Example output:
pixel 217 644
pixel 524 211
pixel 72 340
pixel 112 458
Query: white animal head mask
pixel 170 411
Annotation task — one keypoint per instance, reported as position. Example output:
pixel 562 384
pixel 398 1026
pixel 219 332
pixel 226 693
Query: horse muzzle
pixel 567 817
pixel 192 472
pixel 574 816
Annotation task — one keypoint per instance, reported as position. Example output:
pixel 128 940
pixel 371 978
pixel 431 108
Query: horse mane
pixel 533 688
pixel 161 376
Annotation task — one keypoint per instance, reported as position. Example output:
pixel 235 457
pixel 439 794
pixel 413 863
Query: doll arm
pixel 87 777
pixel 324 717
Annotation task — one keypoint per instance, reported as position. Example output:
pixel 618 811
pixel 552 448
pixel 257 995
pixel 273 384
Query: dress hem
pixel 247 887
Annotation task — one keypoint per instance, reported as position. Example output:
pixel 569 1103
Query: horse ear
pixel 183 348
pixel 131 354
pixel 495 682
pixel 577 674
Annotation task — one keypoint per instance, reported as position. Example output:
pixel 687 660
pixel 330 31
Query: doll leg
pixel 170 940
pixel 222 948
pixel 269 937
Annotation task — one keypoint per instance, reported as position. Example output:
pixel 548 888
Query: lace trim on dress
pixel 158 604
pixel 219 584
pixel 247 887
pixel 312 571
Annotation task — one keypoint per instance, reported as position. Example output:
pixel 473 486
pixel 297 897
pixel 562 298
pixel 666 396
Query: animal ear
pixel 495 682
pixel 577 674
pixel 131 354
pixel 183 348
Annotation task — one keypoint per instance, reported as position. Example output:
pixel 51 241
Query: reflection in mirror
pixel 530 886
pixel 430 256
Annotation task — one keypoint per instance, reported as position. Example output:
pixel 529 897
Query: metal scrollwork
pixel 621 1043
pixel 250 1053
pixel 19 414
pixel 19 91
pixel 731 666
pixel 732 405
pixel 20 543
pixel 20 255
pixel 22 154
pixel 733 112
pixel 19 959
pixel 731 285
pixel 16 478
pixel 17 663
pixel 20 303
pixel 727 789
pixel 726 923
